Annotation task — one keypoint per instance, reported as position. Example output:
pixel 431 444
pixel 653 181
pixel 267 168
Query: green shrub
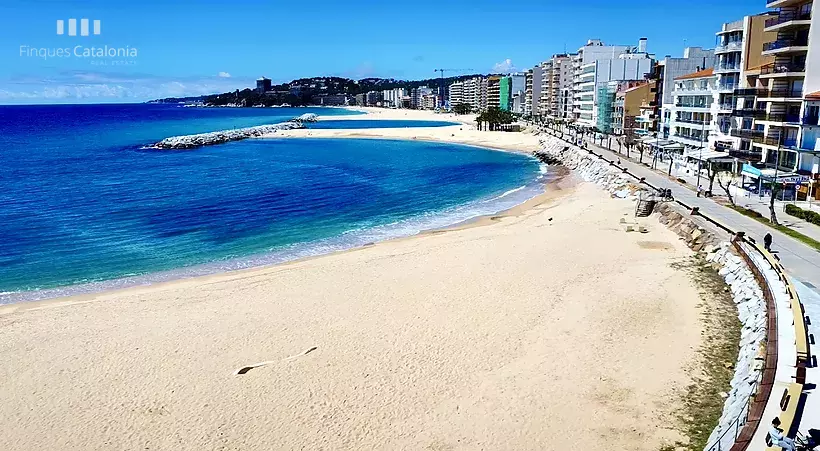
pixel 795 211
pixel 812 217
pixel 807 215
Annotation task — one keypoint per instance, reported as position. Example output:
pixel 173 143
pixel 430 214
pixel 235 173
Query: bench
pixel 788 408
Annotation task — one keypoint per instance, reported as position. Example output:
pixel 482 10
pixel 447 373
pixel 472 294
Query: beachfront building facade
pixel 474 93
pixel 557 87
pixel 455 94
pixel 664 73
pixel 395 98
pixel 737 54
pixel 596 64
pixel 631 113
pixel 263 85
pixel 789 99
pixel 605 119
pixel 691 120
pixel 530 103
pixel 494 91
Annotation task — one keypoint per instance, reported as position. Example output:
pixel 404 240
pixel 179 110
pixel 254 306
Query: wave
pixel 431 220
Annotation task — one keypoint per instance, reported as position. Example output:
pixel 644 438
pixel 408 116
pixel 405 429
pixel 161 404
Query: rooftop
pixel 699 74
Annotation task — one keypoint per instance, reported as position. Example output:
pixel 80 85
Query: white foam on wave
pixel 431 220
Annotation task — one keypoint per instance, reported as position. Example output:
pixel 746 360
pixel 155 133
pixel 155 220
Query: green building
pixel 505 94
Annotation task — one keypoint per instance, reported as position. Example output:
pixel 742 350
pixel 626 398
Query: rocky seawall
pixel 223 136
pixel 746 291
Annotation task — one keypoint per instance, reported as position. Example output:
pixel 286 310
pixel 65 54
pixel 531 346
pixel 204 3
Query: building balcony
pixel 748 112
pixel 787 19
pixel 770 96
pixel 726 87
pixel 782 118
pixel 748 92
pixel 783 70
pixel 783 46
pixel 748 154
pixel 747 133
pixel 732 46
pixel 692 121
pixel 782 3
pixel 811 120
pixel 727 67
pixel 692 105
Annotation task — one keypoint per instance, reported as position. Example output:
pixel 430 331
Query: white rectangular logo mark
pixel 85 27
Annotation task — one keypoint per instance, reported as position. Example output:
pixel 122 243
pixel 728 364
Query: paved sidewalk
pixel 761 205
pixel 801 262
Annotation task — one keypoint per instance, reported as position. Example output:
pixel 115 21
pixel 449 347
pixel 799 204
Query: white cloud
pixel 223 75
pixel 90 86
pixel 504 67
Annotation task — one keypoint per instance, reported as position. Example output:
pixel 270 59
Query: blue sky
pixel 187 47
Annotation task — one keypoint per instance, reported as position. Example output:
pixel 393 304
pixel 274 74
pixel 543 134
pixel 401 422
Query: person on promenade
pixel 778 436
pixel 767 242
pixel 700 190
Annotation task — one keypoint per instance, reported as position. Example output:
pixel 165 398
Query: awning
pixel 706 155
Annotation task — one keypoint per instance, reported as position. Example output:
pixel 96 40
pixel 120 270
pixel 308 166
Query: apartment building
pixel 606 106
pixel 631 113
pixel 557 79
pixel 664 73
pixel 738 56
pixel 456 94
pixel 494 91
pixel 474 93
pixel 395 98
pixel 691 121
pixel 789 99
pixel 595 64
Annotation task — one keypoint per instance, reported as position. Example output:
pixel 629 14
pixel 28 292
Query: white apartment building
pixel 694 59
pixel 474 93
pixel 596 64
pixel 394 98
pixel 456 94
pixel 791 97
pixel 691 121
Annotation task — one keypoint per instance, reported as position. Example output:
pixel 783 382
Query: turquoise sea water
pixel 84 207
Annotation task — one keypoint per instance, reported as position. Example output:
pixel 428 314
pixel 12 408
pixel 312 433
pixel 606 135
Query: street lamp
pixel 700 153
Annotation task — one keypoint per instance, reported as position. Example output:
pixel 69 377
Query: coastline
pixel 492 333
pixel 81 292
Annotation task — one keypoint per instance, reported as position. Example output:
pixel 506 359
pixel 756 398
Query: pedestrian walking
pixel 767 242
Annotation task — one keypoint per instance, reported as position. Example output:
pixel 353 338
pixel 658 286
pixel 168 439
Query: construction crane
pixel 442 90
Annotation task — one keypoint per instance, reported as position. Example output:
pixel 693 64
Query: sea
pixel 86 205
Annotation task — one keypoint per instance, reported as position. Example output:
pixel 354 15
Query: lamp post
pixel 700 153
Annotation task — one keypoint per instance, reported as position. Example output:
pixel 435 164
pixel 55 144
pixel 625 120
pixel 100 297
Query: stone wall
pixel 700 237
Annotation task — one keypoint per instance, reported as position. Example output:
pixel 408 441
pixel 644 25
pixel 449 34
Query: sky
pixel 173 48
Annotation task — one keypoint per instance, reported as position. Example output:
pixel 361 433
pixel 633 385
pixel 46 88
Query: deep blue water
pixel 83 207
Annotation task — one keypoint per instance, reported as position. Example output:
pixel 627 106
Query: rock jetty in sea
pixel 211 138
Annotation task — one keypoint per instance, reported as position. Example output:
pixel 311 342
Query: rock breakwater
pixel 223 136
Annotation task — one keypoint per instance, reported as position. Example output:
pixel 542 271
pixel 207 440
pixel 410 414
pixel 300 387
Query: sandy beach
pixel 545 328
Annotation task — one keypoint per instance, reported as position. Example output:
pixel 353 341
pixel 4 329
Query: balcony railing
pixel 728 66
pixel 726 106
pixel 787 16
pixel 727 86
pixel 746 133
pixel 748 153
pixel 783 43
pixel 747 92
pixel 692 121
pixel 810 119
pixel 691 105
pixel 748 112
pixel 731 45
pixel 782 117
pixel 782 68
pixel 785 93
pixel 776 141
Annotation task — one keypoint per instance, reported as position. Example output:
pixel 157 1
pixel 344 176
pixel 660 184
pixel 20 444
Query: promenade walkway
pixel 801 262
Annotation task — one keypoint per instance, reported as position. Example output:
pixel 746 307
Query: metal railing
pixel 746 133
pixel 731 45
pixel 775 68
pixel 782 117
pixel 733 430
pixel 787 16
pixel 783 43
pixel 785 93
pixel 692 121
pixel 748 112
pixel 745 92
